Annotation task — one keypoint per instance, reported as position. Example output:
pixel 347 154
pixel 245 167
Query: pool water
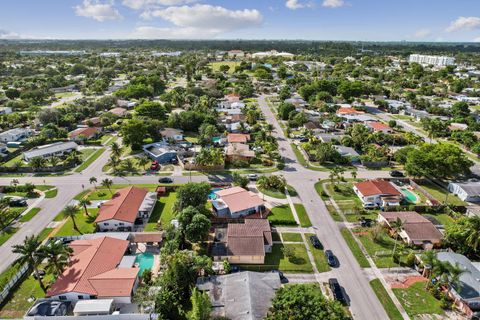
pixel 145 261
pixel 212 195
pixel 409 195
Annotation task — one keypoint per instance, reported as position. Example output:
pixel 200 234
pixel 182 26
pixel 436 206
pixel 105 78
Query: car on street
pixel 252 177
pixel 316 242
pixel 283 279
pixel 396 174
pixel 165 180
pixel 337 290
pixel 330 258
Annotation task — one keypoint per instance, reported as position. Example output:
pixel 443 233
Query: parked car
pixel 366 222
pixel 396 173
pixel 337 290
pixel 316 242
pixel 155 166
pixel 252 177
pixel 17 202
pixel 330 258
pixel 370 206
pixel 283 279
pixel 165 180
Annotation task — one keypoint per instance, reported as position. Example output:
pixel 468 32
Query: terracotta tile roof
pixel 239 149
pixel 377 125
pixel 376 187
pixel 344 110
pixel 118 111
pixel 417 227
pixel 405 216
pixel 88 132
pixel 238 138
pixel 248 238
pixel 92 269
pixel 123 206
pixel 238 199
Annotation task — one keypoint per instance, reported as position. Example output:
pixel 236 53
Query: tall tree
pixel 71 212
pixel 107 183
pixel 57 254
pixel 201 306
pixel 29 254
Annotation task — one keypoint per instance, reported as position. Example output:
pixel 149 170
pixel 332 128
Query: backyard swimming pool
pixel 145 261
pixel 409 195
pixel 212 195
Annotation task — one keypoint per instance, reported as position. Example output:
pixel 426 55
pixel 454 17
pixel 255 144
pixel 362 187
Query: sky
pixel 360 20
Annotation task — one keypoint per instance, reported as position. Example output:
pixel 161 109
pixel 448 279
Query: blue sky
pixel 374 20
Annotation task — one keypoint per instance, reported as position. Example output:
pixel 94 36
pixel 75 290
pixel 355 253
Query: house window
pixel 93 297
pixel 62 297
pixel 80 297
pixel 121 224
pixel 105 223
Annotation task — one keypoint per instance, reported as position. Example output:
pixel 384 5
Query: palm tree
pixel 429 258
pixel 71 212
pixel 128 165
pixel 14 183
pixel 107 183
pixel 454 273
pixel 473 231
pixel 397 227
pixel 57 254
pixel 28 253
pixel 93 181
pixel 84 203
pixel 37 163
pixel 4 214
pixel 53 161
pixel 354 174
pixel 114 162
pixel 143 161
pixel 116 149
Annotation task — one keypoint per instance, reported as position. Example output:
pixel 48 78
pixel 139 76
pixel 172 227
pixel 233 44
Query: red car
pixel 155 166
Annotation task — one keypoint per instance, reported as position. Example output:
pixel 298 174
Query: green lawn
pixel 12 161
pixel 51 193
pixel 275 236
pixel 292 237
pixel 385 300
pixel 85 224
pixel 88 160
pixel 7 234
pixel 440 194
pixel 299 264
pixel 320 191
pixel 351 216
pixel 232 64
pixel 416 300
pixel 375 248
pixel 442 218
pixel 356 251
pixel 318 256
pixel 29 215
pixel 86 152
pixel 17 303
pixel 191 137
pixel 162 212
pixel 272 193
pixel 282 215
pixel 44 234
pixel 302 215
pixel 333 213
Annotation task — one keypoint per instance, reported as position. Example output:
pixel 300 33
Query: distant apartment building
pixel 438 61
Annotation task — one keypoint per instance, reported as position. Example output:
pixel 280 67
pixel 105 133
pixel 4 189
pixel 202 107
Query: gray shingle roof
pixel 50 149
pixel 470 279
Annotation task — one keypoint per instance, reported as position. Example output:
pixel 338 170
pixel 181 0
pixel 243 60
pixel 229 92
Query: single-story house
pixel 329 137
pixel 172 133
pixel 126 104
pixel 93 122
pixel 95 271
pixel 356 117
pixel 160 152
pixel 85 133
pixel 377 126
pixel 126 206
pixel 348 110
pixel 417 230
pixel 458 126
pixel 468 191
pixel 238 152
pixel 118 111
pixel 375 192
pixel 348 152
pixel 242 295
pixel 17 134
pixel 467 295
pixel 245 243
pixel 50 150
pixel 236 202
pixel 238 138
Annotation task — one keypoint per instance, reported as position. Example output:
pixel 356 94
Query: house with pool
pixel 236 202
pixel 99 268
pixel 375 193
pixel 127 210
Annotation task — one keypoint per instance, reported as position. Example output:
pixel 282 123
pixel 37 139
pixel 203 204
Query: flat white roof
pixel 93 306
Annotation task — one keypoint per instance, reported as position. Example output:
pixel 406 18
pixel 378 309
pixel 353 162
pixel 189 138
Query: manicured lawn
pixel 12 161
pixel 320 191
pixel 232 64
pixel 7 234
pixel 385 300
pixel 162 212
pixel 44 234
pixel 299 264
pixel 302 215
pixel 88 160
pixel 30 214
pixel 367 214
pixel 357 253
pixel 416 300
pixel 51 193
pixel 299 155
pixel 273 193
pixel 17 303
pixel 282 215
pixel 191 137
pixel 81 195
pixel 101 194
pixel 292 237
pixel 85 224
pixel 333 213
pixel 318 256
pixel 440 194
pixel 275 236
pixel 442 218
pixel 344 192
pixel 86 152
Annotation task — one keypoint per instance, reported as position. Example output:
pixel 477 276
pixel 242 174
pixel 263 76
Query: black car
pixel 316 242
pixel 337 290
pixel 396 173
pixel 330 258
pixel 283 279
pixel 17 203
pixel 165 180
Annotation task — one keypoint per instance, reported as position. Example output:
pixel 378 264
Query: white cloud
pixel 477 39
pixel 4 34
pixel 333 3
pixel 464 23
pixel 198 21
pixel 294 4
pixel 142 4
pixel 98 11
pixel 421 33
